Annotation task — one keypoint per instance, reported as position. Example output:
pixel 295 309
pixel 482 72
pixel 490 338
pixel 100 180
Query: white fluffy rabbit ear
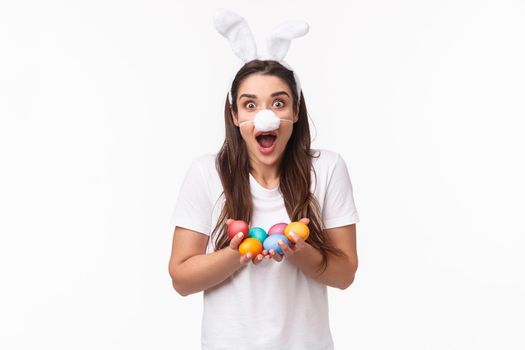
pixel 279 39
pixel 234 28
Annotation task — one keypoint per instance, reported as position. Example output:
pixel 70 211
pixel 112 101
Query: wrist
pixel 300 254
pixel 233 255
pixel 306 258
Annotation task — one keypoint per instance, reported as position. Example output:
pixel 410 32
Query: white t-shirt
pixel 272 305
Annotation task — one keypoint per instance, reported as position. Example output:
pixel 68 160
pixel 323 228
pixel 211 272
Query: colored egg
pixel 257 232
pixel 251 245
pixel 237 226
pixel 272 242
pixel 298 228
pixel 277 228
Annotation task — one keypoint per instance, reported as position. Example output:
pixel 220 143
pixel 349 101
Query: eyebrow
pixel 272 95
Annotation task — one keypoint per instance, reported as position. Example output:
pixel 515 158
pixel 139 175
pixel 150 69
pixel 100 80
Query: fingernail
pixel 239 234
pixel 260 257
pixel 281 241
pixel 292 234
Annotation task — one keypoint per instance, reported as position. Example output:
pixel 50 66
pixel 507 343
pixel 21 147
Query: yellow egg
pixel 298 228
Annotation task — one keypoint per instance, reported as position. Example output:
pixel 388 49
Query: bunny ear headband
pixel 234 28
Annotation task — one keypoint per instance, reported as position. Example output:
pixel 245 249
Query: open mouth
pixel 266 140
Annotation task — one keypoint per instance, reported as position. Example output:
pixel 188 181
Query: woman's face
pixel 256 92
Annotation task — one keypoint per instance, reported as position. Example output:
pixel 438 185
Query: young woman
pixel 269 301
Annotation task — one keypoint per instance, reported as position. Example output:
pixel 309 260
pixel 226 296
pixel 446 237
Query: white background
pixel 103 105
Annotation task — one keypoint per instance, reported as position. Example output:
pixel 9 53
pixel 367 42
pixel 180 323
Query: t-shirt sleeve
pixel 339 208
pixel 193 207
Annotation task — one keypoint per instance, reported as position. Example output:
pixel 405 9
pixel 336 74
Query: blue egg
pixel 257 232
pixel 272 243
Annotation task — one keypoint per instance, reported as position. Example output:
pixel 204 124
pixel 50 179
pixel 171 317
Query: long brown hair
pixel 233 166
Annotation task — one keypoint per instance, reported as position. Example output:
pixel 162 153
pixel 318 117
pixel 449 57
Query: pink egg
pixel 277 228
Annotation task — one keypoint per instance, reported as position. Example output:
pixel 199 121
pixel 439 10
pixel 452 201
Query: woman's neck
pixel 267 176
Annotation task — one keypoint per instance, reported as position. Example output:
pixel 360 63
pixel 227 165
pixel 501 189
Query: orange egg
pixel 298 228
pixel 251 245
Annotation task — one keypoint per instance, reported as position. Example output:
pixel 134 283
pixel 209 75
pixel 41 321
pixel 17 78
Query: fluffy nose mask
pixel 266 120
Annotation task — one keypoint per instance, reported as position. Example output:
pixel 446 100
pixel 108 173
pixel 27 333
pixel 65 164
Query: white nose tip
pixel 266 120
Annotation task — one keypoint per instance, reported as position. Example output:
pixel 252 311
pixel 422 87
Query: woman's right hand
pixel 234 244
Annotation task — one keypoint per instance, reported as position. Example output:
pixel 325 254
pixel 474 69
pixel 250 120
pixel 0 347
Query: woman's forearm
pixel 204 271
pixel 339 273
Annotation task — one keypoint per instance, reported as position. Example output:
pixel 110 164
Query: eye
pixel 278 101
pixel 247 104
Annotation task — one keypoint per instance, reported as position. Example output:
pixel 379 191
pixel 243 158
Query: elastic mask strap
pixel 251 121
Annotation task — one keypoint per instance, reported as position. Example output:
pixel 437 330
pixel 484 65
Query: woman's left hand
pixel 296 244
